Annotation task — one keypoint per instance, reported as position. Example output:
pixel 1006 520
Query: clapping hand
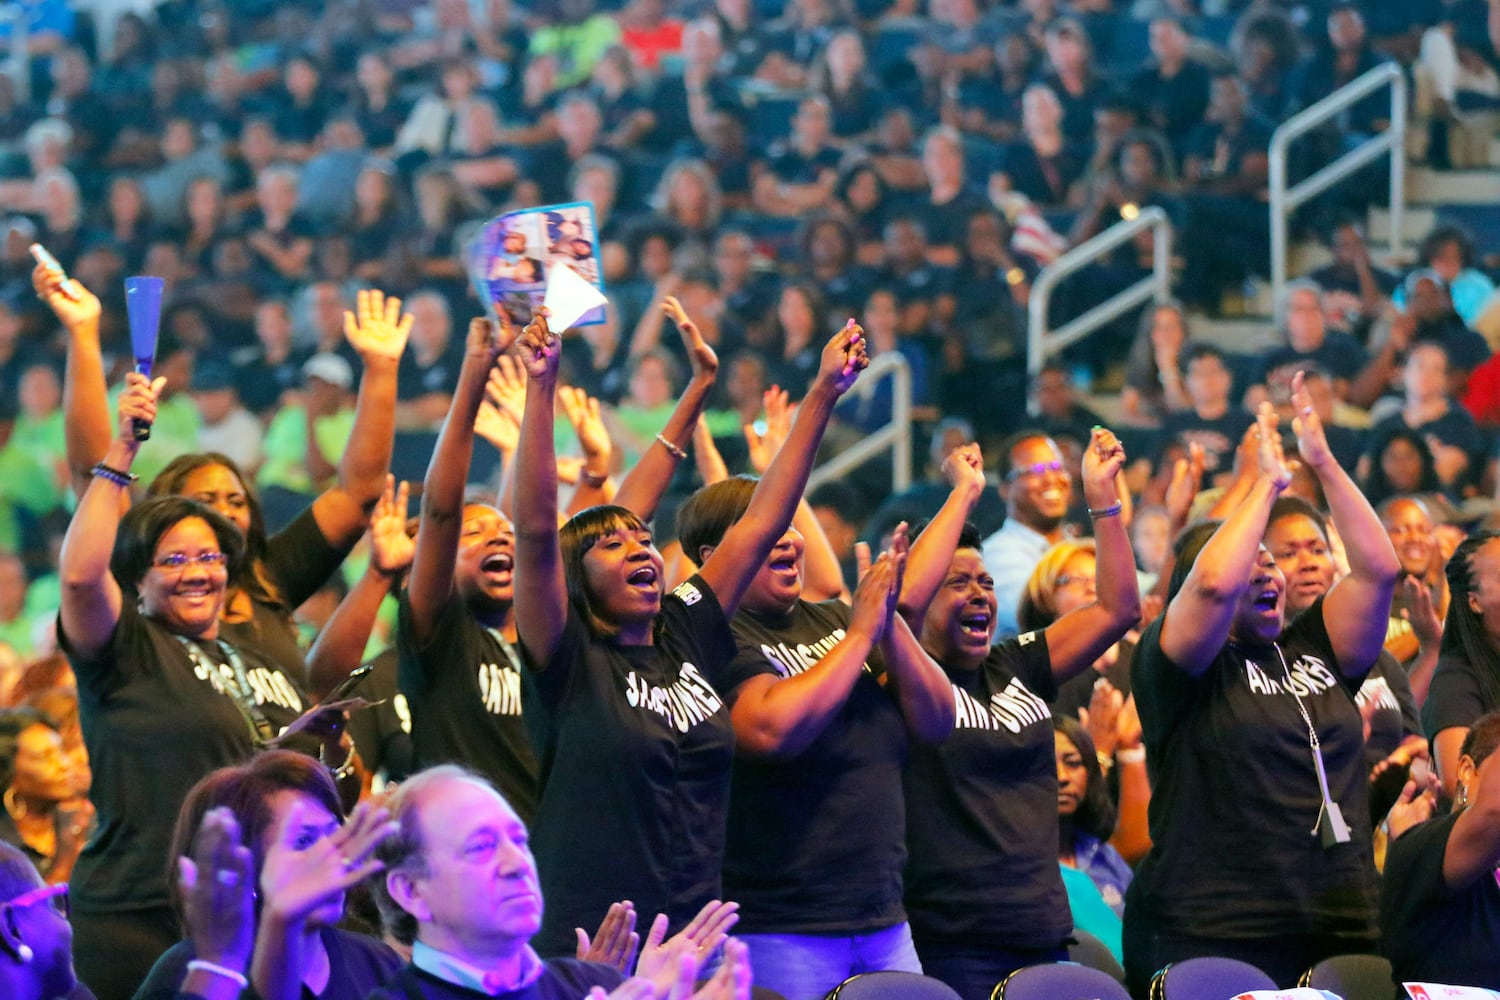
pixel 1312 441
pixel 763 447
pixel 215 888
pixel 616 942
pixel 296 879
pixel 1268 455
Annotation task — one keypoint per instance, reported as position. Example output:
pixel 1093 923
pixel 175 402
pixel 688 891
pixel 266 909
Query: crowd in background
pixel 759 175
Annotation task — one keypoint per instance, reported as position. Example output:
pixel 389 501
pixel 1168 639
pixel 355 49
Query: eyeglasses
pixel 1086 582
pixel 180 560
pixel 57 895
pixel 1037 469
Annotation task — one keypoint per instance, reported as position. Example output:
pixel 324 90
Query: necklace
pixel 1335 830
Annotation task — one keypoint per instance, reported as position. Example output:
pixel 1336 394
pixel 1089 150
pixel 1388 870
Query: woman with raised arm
pixel 983 888
pixel 460 670
pixel 1260 824
pixel 629 732
pixel 164 697
pixel 282 570
pixel 822 697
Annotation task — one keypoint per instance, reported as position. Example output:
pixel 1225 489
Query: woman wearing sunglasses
pixel 162 697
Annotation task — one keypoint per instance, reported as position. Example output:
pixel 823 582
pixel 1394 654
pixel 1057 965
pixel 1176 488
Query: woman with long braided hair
pixel 1466 683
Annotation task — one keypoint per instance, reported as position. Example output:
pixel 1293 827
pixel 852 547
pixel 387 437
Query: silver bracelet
pixel 676 451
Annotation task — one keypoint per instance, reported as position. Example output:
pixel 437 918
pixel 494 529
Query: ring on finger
pixel 227 877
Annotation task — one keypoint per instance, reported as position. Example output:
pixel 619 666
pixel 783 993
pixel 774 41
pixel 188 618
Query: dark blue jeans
pixel 975 972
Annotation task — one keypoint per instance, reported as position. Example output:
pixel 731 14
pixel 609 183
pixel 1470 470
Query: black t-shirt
pixel 562 979
pixel 1456 699
pixel 1432 934
pixel 816 842
pixel 1455 427
pixel 1076 692
pixel 464 693
pixel 1395 715
pixel 1173 104
pixel 1218 437
pixel 634 748
pixel 298 561
pixel 414 379
pixel 1235 794
pixel 153 727
pixel 356 965
pixel 981 811
pixel 382 732
pixel 1340 355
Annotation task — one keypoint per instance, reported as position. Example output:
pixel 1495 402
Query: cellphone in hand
pixel 346 686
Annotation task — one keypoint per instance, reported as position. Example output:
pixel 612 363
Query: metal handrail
pixel 895 435
pixel 1284 201
pixel 1041 343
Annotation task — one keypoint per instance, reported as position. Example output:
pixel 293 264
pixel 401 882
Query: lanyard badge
pixel 1330 827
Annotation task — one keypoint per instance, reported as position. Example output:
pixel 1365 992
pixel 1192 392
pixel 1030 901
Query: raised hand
pixel 74 305
pixel 763 447
pixel 711 467
pixel 843 358
pixel 874 597
pixel 1187 480
pixel 582 411
pixel 296 880
pixel 1312 440
pixel 615 942
pixel 1268 456
pixel 705 362
pixel 1103 717
pixel 1103 458
pixel 1426 623
pixel 376 327
pixel 215 887
pixel 391 548
pixel 138 402
pixel 540 349
pixel 964 466
pixel 506 389
pixel 497 427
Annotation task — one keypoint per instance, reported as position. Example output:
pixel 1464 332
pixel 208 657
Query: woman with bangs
pixel 1254 736
pixel 984 890
pixel 633 743
pixel 280 571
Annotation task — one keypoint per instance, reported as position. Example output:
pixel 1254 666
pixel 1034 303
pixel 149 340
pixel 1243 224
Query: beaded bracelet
pixel 117 476
pixel 1113 510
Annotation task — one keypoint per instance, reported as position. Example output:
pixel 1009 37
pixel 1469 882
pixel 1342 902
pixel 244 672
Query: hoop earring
pixel 13 804
pixel 1463 795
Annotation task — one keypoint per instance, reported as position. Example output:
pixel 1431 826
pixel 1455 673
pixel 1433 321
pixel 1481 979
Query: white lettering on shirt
pixel 792 660
pixel 270 686
pixel 687 593
pixel 1015 708
pixel 1378 691
pixel 500 689
pixel 686 702
pixel 1309 675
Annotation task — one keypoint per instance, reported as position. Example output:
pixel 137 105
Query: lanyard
pixel 240 692
pixel 1336 831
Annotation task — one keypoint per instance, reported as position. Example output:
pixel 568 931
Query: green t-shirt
pixel 286 447
pixel 576 47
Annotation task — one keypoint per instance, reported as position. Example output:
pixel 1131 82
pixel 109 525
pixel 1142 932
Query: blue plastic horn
pixel 143 308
